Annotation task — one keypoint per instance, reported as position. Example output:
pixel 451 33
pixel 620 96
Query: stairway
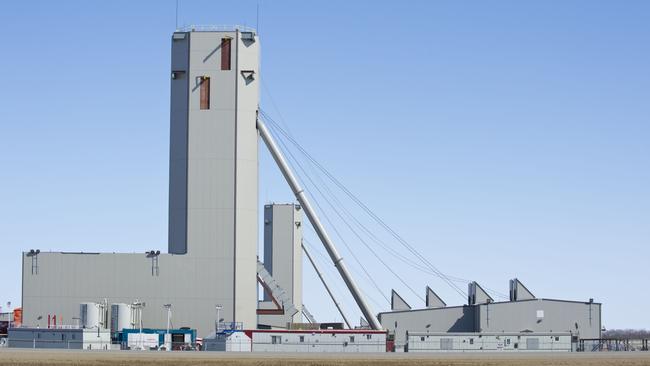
pixel 278 292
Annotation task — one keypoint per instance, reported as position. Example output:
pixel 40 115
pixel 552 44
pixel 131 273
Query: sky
pixel 500 139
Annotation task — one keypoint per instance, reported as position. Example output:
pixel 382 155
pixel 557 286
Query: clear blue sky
pixel 500 138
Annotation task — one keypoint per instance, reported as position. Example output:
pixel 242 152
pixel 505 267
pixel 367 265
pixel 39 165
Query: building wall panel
pixel 581 319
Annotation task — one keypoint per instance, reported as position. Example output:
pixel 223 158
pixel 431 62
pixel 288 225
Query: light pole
pixel 169 315
pixel 168 341
pixel 216 324
pixel 137 306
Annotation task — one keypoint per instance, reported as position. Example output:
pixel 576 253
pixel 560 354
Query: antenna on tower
pixel 257 18
pixel 176 14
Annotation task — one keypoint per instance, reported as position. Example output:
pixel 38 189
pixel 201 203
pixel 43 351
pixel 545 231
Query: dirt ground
pixel 114 358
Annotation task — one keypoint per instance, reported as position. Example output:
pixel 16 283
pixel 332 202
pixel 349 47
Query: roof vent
pixel 477 295
pixel 433 300
pixel 249 75
pixel 397 303
pixel 248 36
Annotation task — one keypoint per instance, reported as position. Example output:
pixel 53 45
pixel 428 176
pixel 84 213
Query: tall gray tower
pixel 213 203
pixel 283 258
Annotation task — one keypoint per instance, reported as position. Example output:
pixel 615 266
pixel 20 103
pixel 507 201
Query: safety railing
pixel 223 326
pixel 215 28
pixel 61 344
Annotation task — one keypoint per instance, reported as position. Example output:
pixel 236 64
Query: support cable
pixel 326 260
pixel 302 198
pixel 306 174
pixel 327 288
pixel 377 219
pixel 334 228
pixel 373 237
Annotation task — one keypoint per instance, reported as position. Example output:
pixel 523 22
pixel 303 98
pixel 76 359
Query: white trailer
pixel 318 340
pixel 65 337
pixel 487 342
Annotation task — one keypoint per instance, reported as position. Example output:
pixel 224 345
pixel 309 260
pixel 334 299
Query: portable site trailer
pixel 482 342
pixel 148 338
pixel 318 340
pixel 65 338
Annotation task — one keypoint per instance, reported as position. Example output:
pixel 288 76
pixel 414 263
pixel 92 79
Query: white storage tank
pixel 89 313
pixel 121 317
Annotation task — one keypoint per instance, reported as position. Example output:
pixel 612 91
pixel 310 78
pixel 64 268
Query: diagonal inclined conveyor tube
pixel 318 226
pixel 322 279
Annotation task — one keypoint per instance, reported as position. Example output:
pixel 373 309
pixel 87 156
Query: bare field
pixel 114 358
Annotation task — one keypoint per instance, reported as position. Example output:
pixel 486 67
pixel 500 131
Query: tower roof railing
pixel 215 28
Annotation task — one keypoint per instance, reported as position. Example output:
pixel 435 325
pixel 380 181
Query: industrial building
pixel 213 212
pixel 210 274
pixel 213 204
pixel 523 314
pixel 282 303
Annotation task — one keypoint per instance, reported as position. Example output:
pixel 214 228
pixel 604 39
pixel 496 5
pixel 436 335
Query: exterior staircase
pixel 278 293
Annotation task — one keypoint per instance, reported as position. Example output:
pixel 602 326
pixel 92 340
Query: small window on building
pixel 508 341
pixel 205 92
pixel 351 339
pixel 421 339
pixel 471 341
pixel 302 339
pixel 557 339
pixel 225 53
pixel 276 340
pixel 368 336
pixel 74 336
pixel 177 74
